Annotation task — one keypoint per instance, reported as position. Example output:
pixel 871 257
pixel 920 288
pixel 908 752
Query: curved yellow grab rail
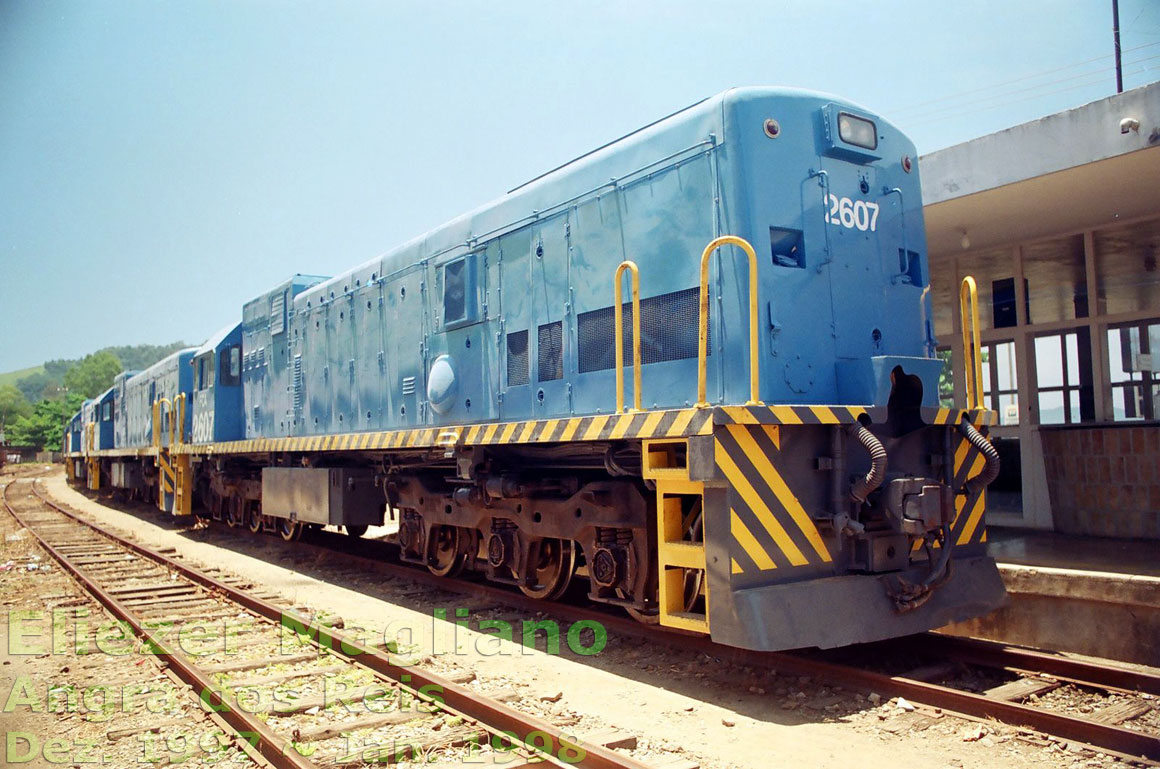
pixel 177 428
pixel 157 419
pixel 616 290
pixel 972 348
pixel 703 331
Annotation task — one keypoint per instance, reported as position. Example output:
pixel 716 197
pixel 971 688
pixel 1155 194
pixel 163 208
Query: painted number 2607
pixel 852 213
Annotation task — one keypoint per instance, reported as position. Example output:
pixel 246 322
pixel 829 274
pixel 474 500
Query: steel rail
pixel 492 714
pixel 969 650
pixel 998 655
pixel 277 750
pixel 1106 737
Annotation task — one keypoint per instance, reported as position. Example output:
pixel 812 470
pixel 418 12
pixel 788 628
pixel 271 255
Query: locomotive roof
pixel 587 174
pixel 215 341
pixel 166 362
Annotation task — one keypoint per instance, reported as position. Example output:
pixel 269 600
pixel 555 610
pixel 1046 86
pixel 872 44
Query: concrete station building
pixel 1058 220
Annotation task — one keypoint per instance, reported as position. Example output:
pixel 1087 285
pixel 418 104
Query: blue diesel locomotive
pixel 782 475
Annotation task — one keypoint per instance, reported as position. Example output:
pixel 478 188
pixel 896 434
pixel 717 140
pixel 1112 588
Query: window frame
pixel 229 366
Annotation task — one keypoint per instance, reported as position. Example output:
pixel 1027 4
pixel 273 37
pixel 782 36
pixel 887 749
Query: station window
pixel 1129 277
pixel 1055 273
pixel 1134 366
pixel 1000 386
pixel 230 374
pixel 1063 374
pixel 946 378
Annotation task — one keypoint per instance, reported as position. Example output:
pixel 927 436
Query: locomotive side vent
pixel 297 384
pixel 668 330
pixel 278 314
pixel 550 352
pixel 517 359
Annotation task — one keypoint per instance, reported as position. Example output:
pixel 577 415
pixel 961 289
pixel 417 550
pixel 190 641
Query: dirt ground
pixel 679 704
pixel 67 705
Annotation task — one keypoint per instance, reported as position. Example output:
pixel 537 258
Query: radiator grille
pixel 550 354
pixel 297 386
pixel 668 330
pixel 278 314
pixel 517 359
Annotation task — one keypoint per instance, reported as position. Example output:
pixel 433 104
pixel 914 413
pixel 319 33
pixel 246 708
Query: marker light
pixel 857 131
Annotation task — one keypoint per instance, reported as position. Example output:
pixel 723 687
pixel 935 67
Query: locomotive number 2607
pixel 852 213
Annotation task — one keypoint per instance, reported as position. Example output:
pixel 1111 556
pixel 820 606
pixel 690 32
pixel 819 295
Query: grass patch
pixel 12 377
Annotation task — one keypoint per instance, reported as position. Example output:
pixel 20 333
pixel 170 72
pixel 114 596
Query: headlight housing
pixel 857 131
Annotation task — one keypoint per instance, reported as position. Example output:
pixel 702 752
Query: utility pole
pixel 1116 37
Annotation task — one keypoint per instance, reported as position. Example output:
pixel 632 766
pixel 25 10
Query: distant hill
pixel 12 377
pixel 45 381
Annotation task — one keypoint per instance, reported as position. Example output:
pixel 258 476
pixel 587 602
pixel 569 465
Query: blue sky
pixel 163 162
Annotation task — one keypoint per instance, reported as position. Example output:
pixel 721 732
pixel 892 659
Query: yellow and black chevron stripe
pixel 789 415
pixel 769 527
pixel 837 415
pixel 977 417
pixel 968 527
pixel 634 426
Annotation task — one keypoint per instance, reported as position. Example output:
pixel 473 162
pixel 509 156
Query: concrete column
pixel 1101 371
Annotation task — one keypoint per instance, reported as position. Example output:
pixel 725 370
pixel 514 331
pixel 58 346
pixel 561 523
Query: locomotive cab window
pixel 459 292
pixel 204 372
pixel 455 291
pixel 231 366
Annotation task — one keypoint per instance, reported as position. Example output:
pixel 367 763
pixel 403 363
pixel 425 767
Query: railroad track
pixel 298 669
pixel 929 666
pixel 928 677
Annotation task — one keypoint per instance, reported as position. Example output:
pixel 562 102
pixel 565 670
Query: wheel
pixel 553 568
pixel 254 519
pixel 642 617
pixel 444 558
pixel 235 515
pixel 291 531
pixel 355 531
pixel 694 577
pixel 694 530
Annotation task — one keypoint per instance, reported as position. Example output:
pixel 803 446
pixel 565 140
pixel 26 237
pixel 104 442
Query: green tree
pixel 45 426
pixel 93 375
pixel 13 404
pixel 36 387
pixel 141 356
pixel 56 369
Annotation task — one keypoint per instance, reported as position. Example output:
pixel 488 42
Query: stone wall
pixel 1104 479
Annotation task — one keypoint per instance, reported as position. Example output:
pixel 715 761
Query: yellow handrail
pixel 972 348
pixel 703 331
pixel 157 419
pixel 177 428
pixel 616 290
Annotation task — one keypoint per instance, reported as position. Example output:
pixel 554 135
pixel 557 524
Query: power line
pixel 940 118
pixel 1086 75
pixel 1020 79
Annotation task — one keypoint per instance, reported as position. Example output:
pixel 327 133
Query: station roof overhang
pixel 1082 168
